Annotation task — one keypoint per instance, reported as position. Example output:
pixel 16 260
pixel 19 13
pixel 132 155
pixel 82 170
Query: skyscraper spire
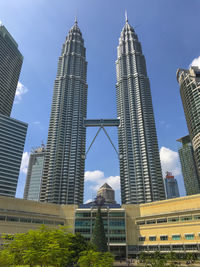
pixel 76 22
pixel 126 16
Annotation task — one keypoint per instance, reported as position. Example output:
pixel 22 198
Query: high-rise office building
pixel 10 67
pixel 171 186
pixel 63 174
pixel 189 81
pixel 12 132
pixel 188 166
pixel 34 174
pixel 12 136
pixel 140 168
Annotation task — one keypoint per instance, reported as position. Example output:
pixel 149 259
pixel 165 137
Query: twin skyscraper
pixel 64 166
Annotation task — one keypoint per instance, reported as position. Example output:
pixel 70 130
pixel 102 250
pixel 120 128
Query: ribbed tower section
pixel 140 168
pixel 63 174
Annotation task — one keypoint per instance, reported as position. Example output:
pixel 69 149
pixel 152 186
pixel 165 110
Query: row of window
pixel 103 214
pixel 170 220
pixel 29 220
pixel 165 237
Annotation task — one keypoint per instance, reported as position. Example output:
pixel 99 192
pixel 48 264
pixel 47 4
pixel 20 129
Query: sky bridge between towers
pixel 101 123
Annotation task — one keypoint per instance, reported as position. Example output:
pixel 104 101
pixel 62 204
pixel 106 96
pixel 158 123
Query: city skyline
pixel 166 103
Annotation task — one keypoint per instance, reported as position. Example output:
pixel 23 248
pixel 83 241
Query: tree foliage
pixel 95 259
pixel 45 247
pixel 98 236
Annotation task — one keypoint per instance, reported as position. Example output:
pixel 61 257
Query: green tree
pixel 95 259
pixel 45 247
pixel 6 259
pixel 98 236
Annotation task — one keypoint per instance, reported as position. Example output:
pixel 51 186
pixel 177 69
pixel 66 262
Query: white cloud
pixel 97 178
pixel 196 62
pixel 1 23
pixel 36 122
pixel 88 201
pixel 169 161
pixel 93 175
pixel 24 163
pixel 21 90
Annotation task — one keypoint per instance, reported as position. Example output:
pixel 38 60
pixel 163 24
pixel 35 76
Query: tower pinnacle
pixel 126 16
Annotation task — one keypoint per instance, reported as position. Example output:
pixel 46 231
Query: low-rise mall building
pixel 167 225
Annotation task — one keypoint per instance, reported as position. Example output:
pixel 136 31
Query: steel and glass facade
pixel 189 81
pixel 10 67
pixel 140 168
pixel 114 220
pixel 34 174
pixel 171 187
pixel 63 174
pixel 188 166
pixel 12 139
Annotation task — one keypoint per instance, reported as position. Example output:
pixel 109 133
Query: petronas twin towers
pixel 140 169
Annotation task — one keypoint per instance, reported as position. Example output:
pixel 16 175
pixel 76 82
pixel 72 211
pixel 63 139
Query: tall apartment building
pixel 140 168
pixel 12 136
pixel 171 186
pixel 189 81
pixel 63 175
pixel 188 166
pixel 10 67
pixel 12 132
pixel 34 174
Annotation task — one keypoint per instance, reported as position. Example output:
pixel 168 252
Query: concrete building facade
pixel 63 174
pixel 34 174
pixel 188 166
pixel 12 136
pixel 10 66
pixel 107 193
pixel 168 225
pixel 140 168
pixel 189 81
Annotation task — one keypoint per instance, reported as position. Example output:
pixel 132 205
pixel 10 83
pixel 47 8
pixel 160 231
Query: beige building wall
pixel 184 207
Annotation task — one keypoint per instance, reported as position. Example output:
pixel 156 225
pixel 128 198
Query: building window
pixel 173 219
pixel 141 238
pixel 189 236
pixel 163 237
pixel 164 220
pixel 188 218
pixel 176 237
pixel 151 222
pixel 141 223
pixel 152 238
pixel 197 217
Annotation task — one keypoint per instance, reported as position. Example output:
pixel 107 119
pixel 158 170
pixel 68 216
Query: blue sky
pixel 169 34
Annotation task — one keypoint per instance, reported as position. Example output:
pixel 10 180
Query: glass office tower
pixel 10 66
pixel 34 174
pixel 140 168
pixel 188 166
pixel 12 136
pixel 189 81
pixel 63 175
